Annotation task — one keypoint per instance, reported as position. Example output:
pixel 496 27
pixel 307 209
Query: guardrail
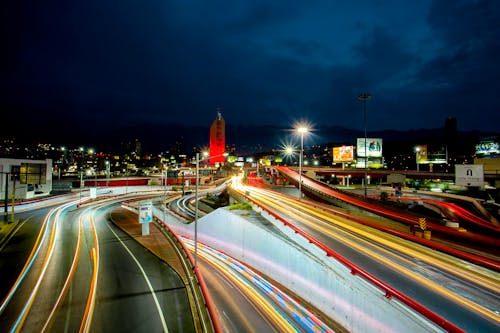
pixel 356 270
pixel 217 327
pixel 390 214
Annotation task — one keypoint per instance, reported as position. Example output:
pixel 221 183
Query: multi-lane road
pixel 459 291
pixel 68 269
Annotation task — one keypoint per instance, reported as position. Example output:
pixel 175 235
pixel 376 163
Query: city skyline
pixel 86 69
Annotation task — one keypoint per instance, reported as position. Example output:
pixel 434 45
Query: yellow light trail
pixel 478 275
pixel 258 300
pixel 21 319
pixel 69 278
pixel 355 244
pixel 29 261
pixel 94 256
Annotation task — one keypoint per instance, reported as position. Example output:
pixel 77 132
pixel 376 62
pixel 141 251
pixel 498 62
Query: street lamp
pixel 107 173
pixel 301 130
pixel 205 155
pixel 417 150
pixel 364 97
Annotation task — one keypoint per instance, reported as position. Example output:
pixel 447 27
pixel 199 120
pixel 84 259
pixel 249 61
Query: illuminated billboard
pixel 469 175
pixel 421 154
pixel 488 147
pixel 343 154
pixel 373 146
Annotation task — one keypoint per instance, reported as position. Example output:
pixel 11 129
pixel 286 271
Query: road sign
pixel 423 223
pixel 146 212
pixel 469 175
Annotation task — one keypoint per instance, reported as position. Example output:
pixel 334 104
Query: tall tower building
pixel 217 139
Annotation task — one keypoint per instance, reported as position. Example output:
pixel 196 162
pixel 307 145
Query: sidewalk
pixel 155 242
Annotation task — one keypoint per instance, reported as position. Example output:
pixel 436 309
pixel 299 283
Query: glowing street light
pixel 417 151
pixel 301 130
pixel 288 151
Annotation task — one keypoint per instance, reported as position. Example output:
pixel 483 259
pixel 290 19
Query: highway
pixel 459 291
pixel 69 270
pixel 325 192
pixel 247 302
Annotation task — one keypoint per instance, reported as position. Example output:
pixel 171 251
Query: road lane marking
pixel 158 307
pixel 69 278
pixel 94 257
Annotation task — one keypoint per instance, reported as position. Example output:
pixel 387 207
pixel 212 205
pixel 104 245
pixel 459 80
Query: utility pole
pixel 364 97
pixel 6 199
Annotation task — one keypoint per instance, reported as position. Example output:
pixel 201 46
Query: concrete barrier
pixel 269 246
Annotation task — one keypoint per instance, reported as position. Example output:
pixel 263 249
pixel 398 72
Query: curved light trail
pixel 51 245
pixel 283 311
pixel 69 278
pixel 396 258
pixel 49 242
pixel 31 258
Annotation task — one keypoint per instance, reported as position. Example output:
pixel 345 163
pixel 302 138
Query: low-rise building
pixel 24 178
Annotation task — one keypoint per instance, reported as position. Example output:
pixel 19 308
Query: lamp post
pixel 205 154
pixel 301 130
pixel 417 150
pixel 107 173
pixel 364 97
pixel 196 208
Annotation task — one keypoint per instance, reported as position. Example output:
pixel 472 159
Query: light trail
pixel 490 282
pixel 47 243
pixel 24 313
pixel 29 262
pixel 477 276
pixel 69 278
pixel 94 255
pixel 264 294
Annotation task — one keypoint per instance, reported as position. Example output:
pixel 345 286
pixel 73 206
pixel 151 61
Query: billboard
pixel 488 147
pixel 469 175
pixel 421 154
pixel 373 146
pixel 146 212
pixel 343 154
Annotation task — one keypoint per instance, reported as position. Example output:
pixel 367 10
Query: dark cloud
pixel 114 63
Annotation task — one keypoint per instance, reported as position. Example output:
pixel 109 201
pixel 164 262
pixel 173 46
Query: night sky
pixel 109 63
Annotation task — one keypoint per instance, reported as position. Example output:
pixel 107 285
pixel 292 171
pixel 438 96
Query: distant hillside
pixel 247 138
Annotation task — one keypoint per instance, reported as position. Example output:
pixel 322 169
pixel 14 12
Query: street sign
pixel 469 175
pixel 423 223
pixel 146 212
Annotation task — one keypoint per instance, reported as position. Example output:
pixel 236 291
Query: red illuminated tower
pixel 217 140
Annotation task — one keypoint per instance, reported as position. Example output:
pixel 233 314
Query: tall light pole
pixel 301 130
pixel 107 173
pixel 364 97
pixel 196 208
pixel 205 155
pixel 196 211
pixel 417 150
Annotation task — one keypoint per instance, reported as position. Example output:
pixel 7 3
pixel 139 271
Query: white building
pixel 26 178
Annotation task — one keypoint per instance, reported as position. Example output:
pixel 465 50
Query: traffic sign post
pixel 145 216
pixel 469 175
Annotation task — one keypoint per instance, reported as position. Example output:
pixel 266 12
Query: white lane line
pixel 158 307
pixel 6 240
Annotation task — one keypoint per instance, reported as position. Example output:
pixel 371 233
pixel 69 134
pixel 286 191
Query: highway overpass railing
pixel 390 292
